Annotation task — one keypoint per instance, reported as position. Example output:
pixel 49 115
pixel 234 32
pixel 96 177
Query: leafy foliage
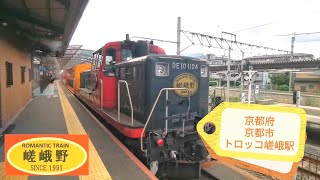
pixel 280 81
pixel 283 87
pixel 213 83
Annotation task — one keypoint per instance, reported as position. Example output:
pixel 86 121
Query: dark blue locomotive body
pixel 171 136
pixel 146 76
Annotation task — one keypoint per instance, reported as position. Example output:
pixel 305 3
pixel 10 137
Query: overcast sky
pixel 104 21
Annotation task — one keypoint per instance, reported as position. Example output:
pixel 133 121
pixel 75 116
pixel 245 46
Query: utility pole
pixel 229 64
pixel 228 76
pixel 251 73
pixel 249 90
pixel 178 35
pixel 292 45
pixel 241 75
pixel 291 58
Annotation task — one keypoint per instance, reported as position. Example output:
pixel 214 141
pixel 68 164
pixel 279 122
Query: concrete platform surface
pixel 57 111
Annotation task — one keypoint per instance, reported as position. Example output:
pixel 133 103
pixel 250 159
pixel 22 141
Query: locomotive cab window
pixel 109 60
pixel 97 60
pixel 93 62
pixel 129 73
pixel 122 73
pixel 126 54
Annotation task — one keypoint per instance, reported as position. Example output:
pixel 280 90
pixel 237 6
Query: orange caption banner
pixel 46 154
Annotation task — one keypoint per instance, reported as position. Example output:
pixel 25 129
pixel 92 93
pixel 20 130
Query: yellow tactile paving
pixel 4 177
pixel 97 170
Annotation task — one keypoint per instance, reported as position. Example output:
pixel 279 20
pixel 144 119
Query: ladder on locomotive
pixel 184 116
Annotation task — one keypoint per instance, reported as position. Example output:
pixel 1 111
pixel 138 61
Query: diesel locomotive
pixel 153 100
pixel 168 96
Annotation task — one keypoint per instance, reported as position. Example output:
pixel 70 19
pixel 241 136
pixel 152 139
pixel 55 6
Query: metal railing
pixel 123 81
pixel 154 105
pixel 244 96
pixel 101 93
pixel 213 96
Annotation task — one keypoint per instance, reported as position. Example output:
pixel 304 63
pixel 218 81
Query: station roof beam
pixel 48 24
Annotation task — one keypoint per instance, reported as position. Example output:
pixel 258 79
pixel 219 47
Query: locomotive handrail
pixel 154 105
pixel 123 81
pixel 101 94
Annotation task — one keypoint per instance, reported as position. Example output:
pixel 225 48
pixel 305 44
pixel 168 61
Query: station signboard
pixel 46 154
pixel 267 139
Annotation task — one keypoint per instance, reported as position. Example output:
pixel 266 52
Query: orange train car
pixel 72 76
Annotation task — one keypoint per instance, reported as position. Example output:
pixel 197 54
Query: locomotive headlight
pixel 162 69
pixel 204 71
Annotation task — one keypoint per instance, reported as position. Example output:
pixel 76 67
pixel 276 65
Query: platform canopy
pixel 71 51
pixel 48 24
pixel 82 56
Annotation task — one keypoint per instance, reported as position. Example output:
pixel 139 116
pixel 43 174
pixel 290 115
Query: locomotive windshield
pixel 111 52
pixel 126 54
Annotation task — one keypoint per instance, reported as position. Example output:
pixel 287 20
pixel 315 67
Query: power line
pixel 252 27
pixel 294 34
pixel 293 39
pixel 212 41
pixel 153 39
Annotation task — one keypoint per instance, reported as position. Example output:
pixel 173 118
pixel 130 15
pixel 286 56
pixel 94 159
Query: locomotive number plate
pixel 185 80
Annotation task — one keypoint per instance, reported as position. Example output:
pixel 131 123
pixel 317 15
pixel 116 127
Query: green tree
pixel 280 81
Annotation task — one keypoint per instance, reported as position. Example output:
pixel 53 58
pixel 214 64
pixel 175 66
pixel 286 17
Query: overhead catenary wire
pixel 295 34
pixel 252 27
pixel 216 42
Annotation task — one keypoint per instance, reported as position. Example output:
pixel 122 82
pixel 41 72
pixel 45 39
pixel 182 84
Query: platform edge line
pixel 131 156
pixel 69 111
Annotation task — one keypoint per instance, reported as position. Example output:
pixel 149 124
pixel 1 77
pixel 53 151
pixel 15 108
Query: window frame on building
pixel 311 86
pixel 9 74
pixel 23 74
pixel 30 75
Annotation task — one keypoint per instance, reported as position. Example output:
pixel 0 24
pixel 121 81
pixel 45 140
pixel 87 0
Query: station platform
pixel 313 113
pixel 57 111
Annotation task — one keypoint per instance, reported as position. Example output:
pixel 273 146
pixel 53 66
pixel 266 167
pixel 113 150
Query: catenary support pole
pixel 178 35
pixel 228 77
pixel 241 75
pixel 249 90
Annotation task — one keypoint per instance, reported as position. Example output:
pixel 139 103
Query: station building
pixel 30 31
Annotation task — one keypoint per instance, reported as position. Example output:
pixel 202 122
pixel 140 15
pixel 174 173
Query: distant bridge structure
pixel 298 64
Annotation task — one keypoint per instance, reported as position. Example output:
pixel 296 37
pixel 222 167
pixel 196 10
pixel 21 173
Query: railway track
pixel 237 173
pixel 309 167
